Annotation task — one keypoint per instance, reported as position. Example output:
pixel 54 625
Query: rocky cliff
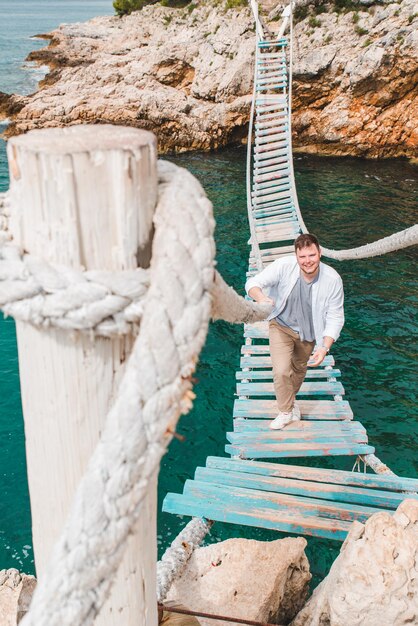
pixel 187 74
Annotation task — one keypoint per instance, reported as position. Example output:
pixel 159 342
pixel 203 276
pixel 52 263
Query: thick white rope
pixel 155 390
pixel 396 241
pixel 175 558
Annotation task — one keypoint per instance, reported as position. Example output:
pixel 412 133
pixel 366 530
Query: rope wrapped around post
pixel 173 301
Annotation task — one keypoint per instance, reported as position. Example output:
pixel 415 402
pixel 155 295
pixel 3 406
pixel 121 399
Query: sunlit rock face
pixel 187 75
pixel 374 580
pixel 355 87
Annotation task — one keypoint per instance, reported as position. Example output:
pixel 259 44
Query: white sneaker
pixel 296 412
pixel 281 420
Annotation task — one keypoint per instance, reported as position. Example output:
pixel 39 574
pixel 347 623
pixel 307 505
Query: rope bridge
pixel 285 498
pixel 142 419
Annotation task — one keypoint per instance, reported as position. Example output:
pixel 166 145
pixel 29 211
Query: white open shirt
pixel 277 281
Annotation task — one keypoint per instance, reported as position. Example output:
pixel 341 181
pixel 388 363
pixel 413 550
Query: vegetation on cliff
pixel 125 7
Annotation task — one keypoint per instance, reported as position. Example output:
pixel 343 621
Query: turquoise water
pixel 21 20
pixel 346 202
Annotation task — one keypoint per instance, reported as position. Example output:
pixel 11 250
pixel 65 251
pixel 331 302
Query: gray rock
pixel 374 580
pixel 16 592
pixel 264 581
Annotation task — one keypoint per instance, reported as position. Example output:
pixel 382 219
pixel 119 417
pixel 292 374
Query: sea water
pixel 346 202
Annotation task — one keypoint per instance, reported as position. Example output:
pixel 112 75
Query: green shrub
pixel 412 17
pixel 320 8
pixel 344 6
pixel 328 39
pixel 361 31
pixel 300 13
pixel 367 43
pixel 355 17
pixel 125 7
pixel 314 22
pixel 235 4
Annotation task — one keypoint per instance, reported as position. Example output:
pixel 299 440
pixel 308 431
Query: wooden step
pixel 297 450
pixel 299 472
pixel 317 388
pixel 262 362
pixel 268 374
pixel 310 409
pixel 360 496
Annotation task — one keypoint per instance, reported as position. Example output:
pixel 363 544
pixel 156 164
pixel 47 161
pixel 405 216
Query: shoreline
pixel 188 78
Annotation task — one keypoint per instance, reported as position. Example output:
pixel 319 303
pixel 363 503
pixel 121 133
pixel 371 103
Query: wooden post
pixel 84 197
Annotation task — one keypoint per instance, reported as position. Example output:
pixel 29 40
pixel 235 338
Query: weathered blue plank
pixel 310 409
pixel 264 349
pixel 314 426
pixel 304 488
pixel 284 435
pixel 316 388
pixel 268 374
pixel 338 477
pixel 304 427
pixel 296 450
pixel 255 498
pixel 252 360
pixel 281 522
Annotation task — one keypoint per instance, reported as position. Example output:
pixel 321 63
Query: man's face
pixel 308 259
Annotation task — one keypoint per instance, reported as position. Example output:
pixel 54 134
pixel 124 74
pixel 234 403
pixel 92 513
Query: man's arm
pixel 256 294
pixel 256 285
pixel 333 325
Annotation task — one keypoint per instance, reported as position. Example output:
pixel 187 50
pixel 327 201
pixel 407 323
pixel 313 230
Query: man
pixel 308 309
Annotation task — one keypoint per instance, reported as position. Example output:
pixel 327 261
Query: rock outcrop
pixel 374 580
pixel 186 74
pixel 355 88
pixel 15 595
pixel 255 580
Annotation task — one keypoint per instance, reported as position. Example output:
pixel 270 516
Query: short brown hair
pixel 303 241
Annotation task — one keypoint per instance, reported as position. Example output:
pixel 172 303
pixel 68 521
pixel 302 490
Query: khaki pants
pixel 289 356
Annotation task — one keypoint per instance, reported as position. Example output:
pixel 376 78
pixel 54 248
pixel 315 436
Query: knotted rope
pixel 169 306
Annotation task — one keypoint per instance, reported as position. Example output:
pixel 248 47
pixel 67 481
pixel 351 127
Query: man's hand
pixel 266 300
pixel 317 357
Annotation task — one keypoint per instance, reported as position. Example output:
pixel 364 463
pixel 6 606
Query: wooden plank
pixel 315 388
pixel 276 208
pixel 263 164
pixel 311 409
pixel 338 477
pixel 281 250
pixel 290 236
pixel 284 435
pixel 241 424
pixel 263 130
pixel 305 488
pixel 268 374
pixel 282 521
pixel 271 185
pixel 276 149
pixel 276 220
pixel 295 450
pixel 255 498
pixel 264 349
pixel 265 197
pixel 248 360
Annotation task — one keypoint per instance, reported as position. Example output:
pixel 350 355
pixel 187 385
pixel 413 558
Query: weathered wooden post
pixel 82 197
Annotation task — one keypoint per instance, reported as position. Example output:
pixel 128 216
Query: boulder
pixel 255 580
pixel 374 580
pixel 16 592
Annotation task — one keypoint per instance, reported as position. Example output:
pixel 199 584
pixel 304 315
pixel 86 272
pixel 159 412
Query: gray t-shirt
pixel 297 313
